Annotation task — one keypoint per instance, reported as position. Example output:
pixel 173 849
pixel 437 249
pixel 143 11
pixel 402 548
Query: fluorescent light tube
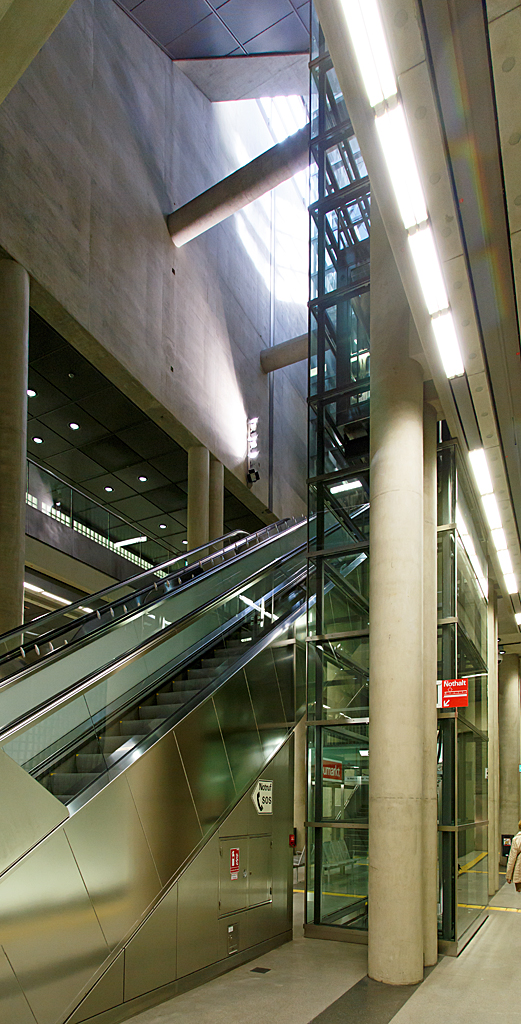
pixel 478 461
pixel 505 562
pixel 492 511
pixel 518 618
pixel 347 485
pixel 131 540
pixel 510 583
pixel 399 157
pixel 500 541
pixel 425 257
pixel 447 342
pixel 370 46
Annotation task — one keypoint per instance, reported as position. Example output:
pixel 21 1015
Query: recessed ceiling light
pixel 109 489
pixel 74 426
pixel 185 542
pixel 31 393
pixel 142 479
pixel 162 526
pixel 38 440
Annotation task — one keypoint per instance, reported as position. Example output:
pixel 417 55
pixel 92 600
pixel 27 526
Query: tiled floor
pixel 306 976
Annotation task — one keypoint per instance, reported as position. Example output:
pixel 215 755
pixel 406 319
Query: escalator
pixel 133 735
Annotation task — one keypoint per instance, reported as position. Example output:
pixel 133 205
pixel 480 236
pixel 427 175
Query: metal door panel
pixel 114 858
pixel 15 1008
pixel 204 757
pixel 260 870
pixel 165 806
pixel 239 730
pixel 107 992
pixel 197 909
pixel 150 957
pixel 233 892
pixel 48 928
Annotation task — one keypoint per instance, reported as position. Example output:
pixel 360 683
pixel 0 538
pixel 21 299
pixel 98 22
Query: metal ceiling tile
pixel 130 475
pixel 173 465
pixel 59 420
pixel 43 339
pixel 209 38
pixel 148 440
pixel 135 508
pixel 47 396
pixel 287 36
pixel 153 525
pixel 304 13
pixel 110 452
pixel 119 489
pixel 74 465
pixel 71 373
pixel 51 443
pixel 112 409
pixel 168 19
pixel 246 20
pixel 169 499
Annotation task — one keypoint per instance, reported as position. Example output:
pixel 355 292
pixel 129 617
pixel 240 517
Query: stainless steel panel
pixel 165 806
pixel 197 909
pixel 239 729
pixel 238 821
pixel 151 956
pixel 261 923
pixel 107 992
pixel 281 771
pixel 233 892
pixel 231 931
pixel 28 812
pixel 114 858
pixel 260 870
pixel 283 658
pixel 204 758
pixel 13 1004
pixel 267 702
pixel 48 928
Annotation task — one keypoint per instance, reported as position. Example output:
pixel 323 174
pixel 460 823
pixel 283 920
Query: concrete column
pixel 14 332
pixel 430 672
pixel 198 497
pixel 509 744
pixel 216 500
pixel 494 848
pixel 396 728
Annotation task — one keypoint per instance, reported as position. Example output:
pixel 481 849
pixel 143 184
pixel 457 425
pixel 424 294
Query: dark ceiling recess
pixel 93 437
pixel 187 29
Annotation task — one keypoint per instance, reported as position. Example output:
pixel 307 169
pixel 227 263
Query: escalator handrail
pixel 44 638
pixel 88 682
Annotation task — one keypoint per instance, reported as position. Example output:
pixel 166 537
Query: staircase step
pixel 197 673
pixel 109 744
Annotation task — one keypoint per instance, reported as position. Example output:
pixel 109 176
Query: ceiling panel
pixel 47 397
pixel 246 19
pixel 60 421
pixel 71 373
pixel 287 36
pixel 154 524
pixel 112 409
pixel 210 38
pixel 136 507
pixel 173 465
pixel 131 474
pixel 119 489
pixel 169 499
pixel 51 443
pixel 73 464
pixel 167 19
pixel 148 440
pixel 110 452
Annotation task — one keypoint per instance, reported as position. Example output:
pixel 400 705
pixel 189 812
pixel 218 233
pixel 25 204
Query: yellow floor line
pixel 467 867
pixel 479 906
pixel 349 895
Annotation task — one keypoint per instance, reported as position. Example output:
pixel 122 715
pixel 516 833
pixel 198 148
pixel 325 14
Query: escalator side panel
pixel 27 812
pixel 207 767
pixel 14 1004
pixel 239 730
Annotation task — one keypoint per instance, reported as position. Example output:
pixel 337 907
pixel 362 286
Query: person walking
pixel 514 861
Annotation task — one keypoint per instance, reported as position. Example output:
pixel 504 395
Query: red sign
pixel 332 771
pixel 234 864
pixel 454 693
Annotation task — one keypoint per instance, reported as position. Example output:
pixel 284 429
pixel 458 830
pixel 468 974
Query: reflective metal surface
pixel 198 897
pixel 27 812
pixel 233 885
pixel 206 764
pixel 13 1004
pixel 108 992
pixel 260 870
pixel 151 955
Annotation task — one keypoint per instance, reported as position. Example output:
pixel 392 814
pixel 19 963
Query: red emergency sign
pixel 234 863
pixel 454 693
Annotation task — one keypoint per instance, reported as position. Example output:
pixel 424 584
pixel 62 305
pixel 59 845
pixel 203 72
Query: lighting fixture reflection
pixel 505 562
pixel 499 538
pixel 510 583
pixel 401 164
pixel 185 542
pixel 518 618
pixel 162 526
pixel 131 540
pixel 468 544
pixel 142 479
pixel 370 45
pixel 109 490
pixel 428 268
pixel 346 485
pixel 447 342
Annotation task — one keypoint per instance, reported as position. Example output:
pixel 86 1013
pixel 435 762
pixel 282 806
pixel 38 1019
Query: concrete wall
pixel 101 138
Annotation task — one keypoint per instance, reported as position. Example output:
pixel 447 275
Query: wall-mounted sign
pixel 234 863
pixel 332 771
pixel 454 693
pixel 262 797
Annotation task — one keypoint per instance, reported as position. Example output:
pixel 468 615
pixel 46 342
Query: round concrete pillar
pixel 430 673
pixel 198 497
pixel 396 713
pixel 216 499
pixel 14 332
pixel 509 744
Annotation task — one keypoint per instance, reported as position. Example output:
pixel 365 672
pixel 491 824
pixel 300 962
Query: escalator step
pixel 197 673
pixel 148 711
pixel 180 697
pixel 137 727
pixel 90 763
pixel 70 782
pixel 109 744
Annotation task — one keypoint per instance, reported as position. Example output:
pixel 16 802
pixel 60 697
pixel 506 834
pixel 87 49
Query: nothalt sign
pixel 454 693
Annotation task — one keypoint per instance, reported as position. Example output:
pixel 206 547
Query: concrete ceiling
pixel 114 445
pixel 187 29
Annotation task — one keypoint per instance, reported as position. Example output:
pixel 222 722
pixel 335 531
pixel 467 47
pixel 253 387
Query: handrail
pixel 89 681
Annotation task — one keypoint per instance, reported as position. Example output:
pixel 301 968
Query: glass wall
pixel 462 737
pixel 338 619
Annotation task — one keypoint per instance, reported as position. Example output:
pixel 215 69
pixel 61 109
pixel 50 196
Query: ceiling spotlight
pixel 38 440
pixel 185 542
pixel 74 426
pixel 109 490
pixel 142 479
pixel 31 393
pixel 162 526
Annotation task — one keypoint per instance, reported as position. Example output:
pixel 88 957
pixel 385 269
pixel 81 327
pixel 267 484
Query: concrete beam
pixel 25 25
pixel 239 189
pixel 288 352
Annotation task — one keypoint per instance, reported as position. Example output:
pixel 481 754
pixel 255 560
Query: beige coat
pixel 514 860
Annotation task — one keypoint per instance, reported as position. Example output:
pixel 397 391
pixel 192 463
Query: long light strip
pixel 478 461
pixel 403 172
pixel 427 264
pixel 370 45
